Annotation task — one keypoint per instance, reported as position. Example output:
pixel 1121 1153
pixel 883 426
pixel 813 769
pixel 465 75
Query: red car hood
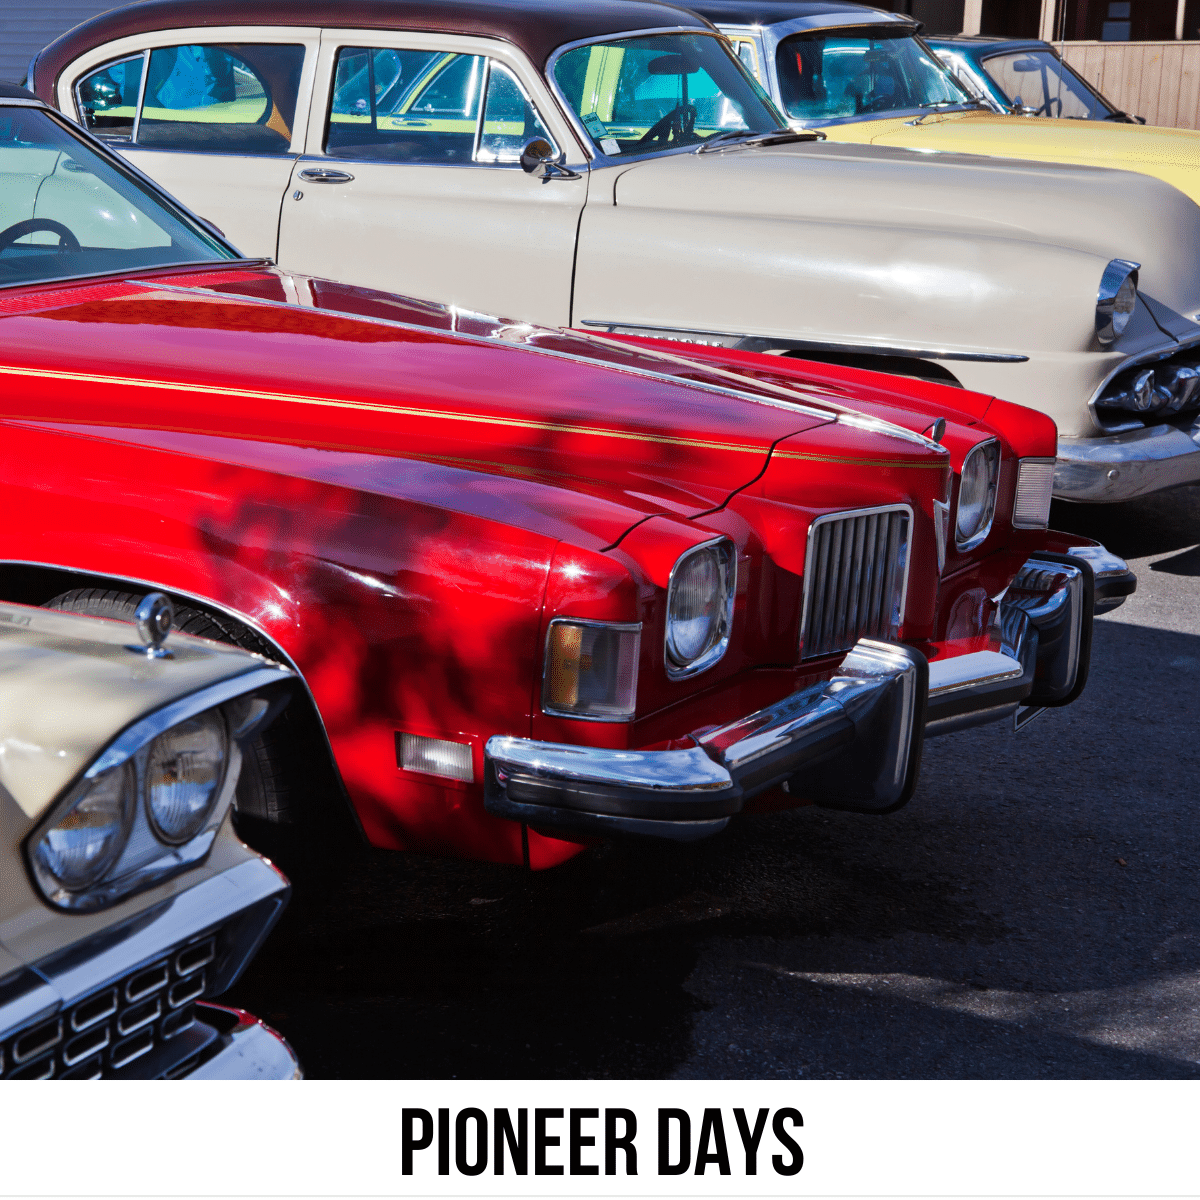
pixel 390 407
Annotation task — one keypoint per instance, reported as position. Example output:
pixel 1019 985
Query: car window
pixel 635 95
pixel 745 49
pixel 1036 79
pixel 66 211
pixel 510 122
pixel 824 77
pixel 422 106
pixel 222 99
pixel 107 99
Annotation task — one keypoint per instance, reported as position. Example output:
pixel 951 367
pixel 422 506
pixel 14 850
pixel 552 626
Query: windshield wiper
pixel 735 139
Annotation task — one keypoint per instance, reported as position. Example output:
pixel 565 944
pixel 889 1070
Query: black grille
pixel 854 579
pixel 112 1029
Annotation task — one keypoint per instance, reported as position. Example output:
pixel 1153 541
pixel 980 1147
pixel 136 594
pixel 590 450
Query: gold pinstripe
pixel 472 418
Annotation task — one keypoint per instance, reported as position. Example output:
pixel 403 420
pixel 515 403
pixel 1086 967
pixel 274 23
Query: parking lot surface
pixel 1032 913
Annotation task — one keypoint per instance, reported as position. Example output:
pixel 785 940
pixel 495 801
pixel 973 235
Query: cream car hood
pixel 69 685
pixel 1002 255
pixel 1172 155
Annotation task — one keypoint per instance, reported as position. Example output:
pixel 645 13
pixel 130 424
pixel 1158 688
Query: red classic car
pixel 541 586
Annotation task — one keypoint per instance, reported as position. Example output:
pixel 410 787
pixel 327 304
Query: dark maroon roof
pixel 537 26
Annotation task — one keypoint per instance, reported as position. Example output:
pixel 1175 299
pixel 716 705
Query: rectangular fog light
pixel 1035 483
pixel 435 756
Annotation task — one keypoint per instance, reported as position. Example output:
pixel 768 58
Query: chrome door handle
pixel 325 175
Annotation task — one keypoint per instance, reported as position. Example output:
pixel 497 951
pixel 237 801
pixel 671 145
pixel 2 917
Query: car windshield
pixel 66 211
pixel 826 77
pixel 1037 80
pixel 638 95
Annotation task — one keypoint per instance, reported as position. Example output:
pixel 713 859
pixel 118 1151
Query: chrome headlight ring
pixel 108 813
pixel 977 486
pixel 1116 299
pixel 700 597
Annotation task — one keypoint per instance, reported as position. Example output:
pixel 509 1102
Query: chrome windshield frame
pixel 596 156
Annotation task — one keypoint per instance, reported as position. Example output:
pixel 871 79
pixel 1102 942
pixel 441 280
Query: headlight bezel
pixel 144 858
pixel 679 666
pixel 965 542
pixel 1113 314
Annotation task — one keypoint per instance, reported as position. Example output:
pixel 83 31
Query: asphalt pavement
pixel 1032 913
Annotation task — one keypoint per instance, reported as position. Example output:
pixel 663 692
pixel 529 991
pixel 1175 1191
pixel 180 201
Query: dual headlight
pixel 977 495
pixel 148 807
pixel 591 668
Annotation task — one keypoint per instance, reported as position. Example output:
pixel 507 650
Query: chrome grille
pixel 97 1036
pixel 855 578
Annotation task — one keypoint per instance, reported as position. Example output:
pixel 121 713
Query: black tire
pixel 268 789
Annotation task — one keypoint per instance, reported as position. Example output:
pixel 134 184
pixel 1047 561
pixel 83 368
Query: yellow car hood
pixel 1172 155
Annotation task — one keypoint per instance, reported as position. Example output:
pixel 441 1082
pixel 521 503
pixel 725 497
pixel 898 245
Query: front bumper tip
pixel 851 743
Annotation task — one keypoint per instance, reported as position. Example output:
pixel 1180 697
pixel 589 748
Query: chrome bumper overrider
pixel 250 1050
pixel 238 907
pixel 1125 465
pixel 853 742
pixel 1045 650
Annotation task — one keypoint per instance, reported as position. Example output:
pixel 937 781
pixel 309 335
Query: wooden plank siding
pixel 1156 80
pixel 26 27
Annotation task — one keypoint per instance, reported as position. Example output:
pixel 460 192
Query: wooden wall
pixel 1156 80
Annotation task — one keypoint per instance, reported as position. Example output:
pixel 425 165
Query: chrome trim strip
pixel 141 99
pixel 971 670
pixel 753 342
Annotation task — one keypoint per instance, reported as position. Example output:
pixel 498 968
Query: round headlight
pixel 977 495
pixel 84 844
pixel 183 776
pixel 699 608
pixel 1116 299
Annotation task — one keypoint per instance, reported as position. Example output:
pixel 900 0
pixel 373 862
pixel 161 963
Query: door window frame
pixel 529 80
pixel 142 43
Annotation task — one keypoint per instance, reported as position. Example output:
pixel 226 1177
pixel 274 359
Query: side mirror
pixel 536 154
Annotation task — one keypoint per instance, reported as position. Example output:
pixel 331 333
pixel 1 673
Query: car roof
pixel 10 91
pixel 772 12
pixel 988 41
pixel 536 26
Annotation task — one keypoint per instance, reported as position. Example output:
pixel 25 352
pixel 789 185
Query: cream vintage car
pixel 125 898
pixel 613 166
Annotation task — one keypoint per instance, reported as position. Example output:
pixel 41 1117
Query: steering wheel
pixel 671 127
pixel 66 239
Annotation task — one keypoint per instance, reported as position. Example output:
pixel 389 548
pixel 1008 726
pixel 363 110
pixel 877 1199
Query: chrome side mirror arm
pixel 537 159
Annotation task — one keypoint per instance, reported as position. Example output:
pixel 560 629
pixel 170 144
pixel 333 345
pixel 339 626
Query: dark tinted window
pixel 236 99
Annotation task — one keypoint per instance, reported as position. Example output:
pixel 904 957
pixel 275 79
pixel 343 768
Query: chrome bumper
pixel 236 908
pixel 852 743
pixel 249 1050
pixel 1122 466
pixel 1045 651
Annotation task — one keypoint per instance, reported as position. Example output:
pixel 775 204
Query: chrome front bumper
pixel 1123 466
pixel 45 1009
pixel 853 742
pixel 1045 650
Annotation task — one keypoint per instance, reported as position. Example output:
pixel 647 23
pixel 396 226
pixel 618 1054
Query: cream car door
pixel 216 117
pixel 412 182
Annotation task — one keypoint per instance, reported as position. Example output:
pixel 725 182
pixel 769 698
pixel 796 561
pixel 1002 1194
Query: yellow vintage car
pixel 863 75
